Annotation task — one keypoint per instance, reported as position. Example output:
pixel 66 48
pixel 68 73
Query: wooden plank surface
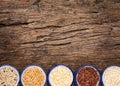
pixel 49 32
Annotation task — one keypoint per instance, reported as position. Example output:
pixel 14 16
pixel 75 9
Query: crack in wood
pixel 117 44
pixel 60 44
pixel 72 31
pixel 14 24
pixel 36 2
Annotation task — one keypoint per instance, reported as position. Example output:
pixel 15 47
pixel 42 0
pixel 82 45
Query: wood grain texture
pixel 49 32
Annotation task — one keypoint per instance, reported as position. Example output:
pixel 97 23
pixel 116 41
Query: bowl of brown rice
pixel 60 75
pixel 33 76
pixel 111 76
pixel 9 76
pixel 88 75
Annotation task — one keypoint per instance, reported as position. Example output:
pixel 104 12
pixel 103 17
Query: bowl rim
pixel 15 69
pixel 30 66
pixel 57 65
pixel 106 69
pixel 88 65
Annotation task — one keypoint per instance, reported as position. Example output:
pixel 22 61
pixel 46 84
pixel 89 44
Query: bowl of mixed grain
pixel 60 75
pixel 9 76
pixel 33 76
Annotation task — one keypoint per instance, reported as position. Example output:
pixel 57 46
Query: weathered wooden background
pixel 49 32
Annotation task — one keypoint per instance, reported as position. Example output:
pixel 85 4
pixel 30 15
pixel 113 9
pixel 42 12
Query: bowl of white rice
pixel 111 76
pixel 9 76
pixel 60 75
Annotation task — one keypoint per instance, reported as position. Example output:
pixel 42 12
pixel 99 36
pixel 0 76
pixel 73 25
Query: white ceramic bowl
pixel 103 75
pixel 98 72
pixel 68 68
pixel 30 66
pixel 13 68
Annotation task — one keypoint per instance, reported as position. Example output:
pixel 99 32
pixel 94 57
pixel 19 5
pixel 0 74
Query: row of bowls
pixel 47 76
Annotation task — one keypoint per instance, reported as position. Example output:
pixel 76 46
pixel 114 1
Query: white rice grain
pixel 111 76
pixel 60 76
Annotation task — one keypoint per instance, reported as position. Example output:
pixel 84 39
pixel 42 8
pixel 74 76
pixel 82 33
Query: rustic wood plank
pixel 49 32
